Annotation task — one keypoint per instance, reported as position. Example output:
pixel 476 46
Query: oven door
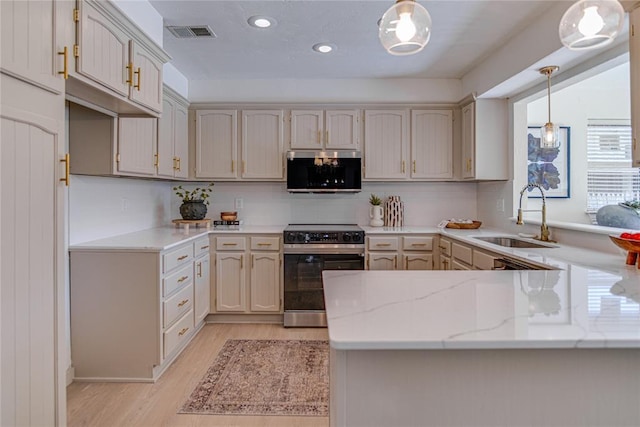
pixel 303 292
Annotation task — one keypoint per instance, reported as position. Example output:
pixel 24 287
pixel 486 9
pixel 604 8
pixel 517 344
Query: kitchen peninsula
pixel 495 348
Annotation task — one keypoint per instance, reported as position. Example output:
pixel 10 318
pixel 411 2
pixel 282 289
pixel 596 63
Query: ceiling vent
pixel 190 32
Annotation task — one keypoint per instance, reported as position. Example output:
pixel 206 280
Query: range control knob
pixel 357 237
pixel 300 237
pixel 291 237
pixel 346 237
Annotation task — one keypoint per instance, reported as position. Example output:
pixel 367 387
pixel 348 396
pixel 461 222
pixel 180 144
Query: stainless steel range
pixel 308 250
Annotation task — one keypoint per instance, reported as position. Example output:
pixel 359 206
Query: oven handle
pixel 324 251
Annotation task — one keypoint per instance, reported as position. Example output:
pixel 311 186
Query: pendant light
pixel 549 133
pixel 590 24
pixel 405 28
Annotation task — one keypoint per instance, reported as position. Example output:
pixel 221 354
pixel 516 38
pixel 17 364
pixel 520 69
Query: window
pixel 610 177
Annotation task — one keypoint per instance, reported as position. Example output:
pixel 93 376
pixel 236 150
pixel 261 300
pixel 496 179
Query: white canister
pixel 375 213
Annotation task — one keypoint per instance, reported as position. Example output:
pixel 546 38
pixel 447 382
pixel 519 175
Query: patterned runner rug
pixel 265 377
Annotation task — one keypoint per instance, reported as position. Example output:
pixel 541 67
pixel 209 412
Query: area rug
pixel 265 377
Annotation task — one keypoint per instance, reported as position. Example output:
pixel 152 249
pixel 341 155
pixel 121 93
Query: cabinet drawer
pixel 416 243
pixel 176 257
pixel 178 279
pixel 462 253
pixel 265 243
pixel 200 247
pixel 178 333
pixel 445 247
pixel 382 243
pixel 176 305
pixel 230 243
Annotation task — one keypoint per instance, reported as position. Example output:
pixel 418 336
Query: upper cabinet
pixel 634 59
pixel 484 140
pixel 29 47
pixel 216 144
pixel 386 142
pixel 324 129
pixel 117 66
pixel 262 145
pixel 431 144
pixel 173 144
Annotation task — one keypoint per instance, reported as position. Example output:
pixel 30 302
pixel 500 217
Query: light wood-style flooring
pixel 145 404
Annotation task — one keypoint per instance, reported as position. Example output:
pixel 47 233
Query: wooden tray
pixel 185 223
pixel 463 225
pixel 632 246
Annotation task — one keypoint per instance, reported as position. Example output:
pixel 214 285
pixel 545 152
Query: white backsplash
pixel 102 207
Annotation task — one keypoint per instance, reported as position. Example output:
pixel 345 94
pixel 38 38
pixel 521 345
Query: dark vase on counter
pixel 193 209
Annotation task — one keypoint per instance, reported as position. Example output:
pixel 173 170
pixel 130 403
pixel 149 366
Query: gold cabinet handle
pixel 395 262
pixel 445 263
pixel 243 166
pixel 65 67
pixel 183 331
pixel 241 262
pixel 182 279
pixel 403 164
pixel 183 302
pixel 199 269
pixel 130 73
pixel 204 247
pixel 264 244
pixel 253 258
pixel 414 166
pixel 406 263
pixel 178 159
pixel 155 160
pixel 326 138
pixel 418 244
pixel 233 166
pixel 174 163
pixel 320 137
pixel 180 258
pixel 383 244
pixel 66 162
pixel 137 86
pixel 229 244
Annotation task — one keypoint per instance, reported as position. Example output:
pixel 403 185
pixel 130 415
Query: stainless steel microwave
pixel 324 171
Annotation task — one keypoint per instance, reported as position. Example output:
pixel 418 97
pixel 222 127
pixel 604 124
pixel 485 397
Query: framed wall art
pixel 549 167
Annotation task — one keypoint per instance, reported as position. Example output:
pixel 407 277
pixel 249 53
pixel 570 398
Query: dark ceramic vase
pixel 194 209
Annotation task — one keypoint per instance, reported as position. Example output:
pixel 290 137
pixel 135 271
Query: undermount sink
pixel 512 242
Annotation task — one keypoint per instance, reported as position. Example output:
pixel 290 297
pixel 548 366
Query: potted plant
pixel 375 211
pixel 194 202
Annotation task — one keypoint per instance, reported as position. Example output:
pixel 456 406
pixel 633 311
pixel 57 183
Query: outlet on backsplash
pixel 239 203
pixel 500 205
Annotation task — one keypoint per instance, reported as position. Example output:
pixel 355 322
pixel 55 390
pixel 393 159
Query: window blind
pixel 610 177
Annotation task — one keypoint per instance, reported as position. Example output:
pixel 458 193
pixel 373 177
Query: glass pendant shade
pixel 405 28
pixel 549 136
pixel 590 24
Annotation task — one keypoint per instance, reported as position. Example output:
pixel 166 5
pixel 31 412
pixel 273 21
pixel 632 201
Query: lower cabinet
pixel 133 312
pixel 403 252
pixel 457 256
pixel 248 276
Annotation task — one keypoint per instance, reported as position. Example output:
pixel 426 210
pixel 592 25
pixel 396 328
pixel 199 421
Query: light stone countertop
pixel 575 307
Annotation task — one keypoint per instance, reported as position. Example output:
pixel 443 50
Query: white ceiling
pixel 464 34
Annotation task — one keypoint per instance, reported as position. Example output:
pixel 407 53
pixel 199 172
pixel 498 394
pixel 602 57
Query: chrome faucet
pixel 544 230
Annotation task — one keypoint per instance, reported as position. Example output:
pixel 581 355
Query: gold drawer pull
pixel 199 265
pixel 229 244
pixel 418 244
pixel 183 302
pixel 183 331
pixel 264 244
pixel 139 74
pixel 67 163
pixel 180 258
pixel 182 279
pixel 204 247
pixel 383 244
pixel 65 67
pixel 130 74
pixel 443 247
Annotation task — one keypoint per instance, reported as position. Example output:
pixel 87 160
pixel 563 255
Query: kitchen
pixel 103 207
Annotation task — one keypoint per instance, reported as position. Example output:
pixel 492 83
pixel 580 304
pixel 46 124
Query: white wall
pixel 270 204
pixel 175 79
pixel 102 207
pixel 605 96
pixel 144 15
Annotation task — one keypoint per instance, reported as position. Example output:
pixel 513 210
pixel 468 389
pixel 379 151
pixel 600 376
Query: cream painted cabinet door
pixel 137 142
pixel 386 138
pixel 230 282
pixel 217 144
pixel 166 160
pixel 32 255
pixel 382 261
pixel 418 262
pixel 468 140
pixel 265 281
pixel 104 50
pixel 181 141
pixel 634 66
pixel 202 288
pixel 145 75
pixel 28 46
pixel 431 144
pixel 307 129
pixel 342 129
pixel 262 144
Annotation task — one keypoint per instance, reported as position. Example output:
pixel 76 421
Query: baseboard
pixel 245 318
pixel 70 374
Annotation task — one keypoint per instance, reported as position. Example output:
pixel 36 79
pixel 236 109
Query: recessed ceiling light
pixel 261 21
pixel 324 47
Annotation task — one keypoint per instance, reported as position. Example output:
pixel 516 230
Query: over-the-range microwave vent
pixel 192 31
